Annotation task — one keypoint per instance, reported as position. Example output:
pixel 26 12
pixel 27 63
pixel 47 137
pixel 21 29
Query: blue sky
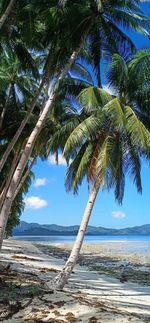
pixel 48 202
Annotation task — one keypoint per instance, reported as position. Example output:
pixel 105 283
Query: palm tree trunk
pixel 99 76
pixel 61 279
pixel 24 177
pixel 7 12
pixel 3 219
pixel 30 144
pixel 21 127
pixel 5 107
pixel 16 192
pixel 3 223
pixel 9 177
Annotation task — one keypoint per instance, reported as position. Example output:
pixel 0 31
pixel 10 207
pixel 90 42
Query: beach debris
pixel 25 258
pixel 123 278
pixel 70 317
pixel 45 270
pixel 5 269
pixel 93 319
pixel 59 303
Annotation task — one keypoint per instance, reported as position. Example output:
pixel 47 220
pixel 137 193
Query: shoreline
pixel 105 259
pixel 89 296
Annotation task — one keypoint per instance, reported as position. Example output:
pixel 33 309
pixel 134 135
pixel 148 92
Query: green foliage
pixel 89 124
pixel 18 205
pixel 107 143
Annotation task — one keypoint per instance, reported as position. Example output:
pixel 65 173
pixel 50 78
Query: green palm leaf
pixel 93 98
pixel 140 136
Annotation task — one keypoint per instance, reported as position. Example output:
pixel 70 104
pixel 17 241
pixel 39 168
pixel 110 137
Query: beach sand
pixel 110 258
pixel 91 296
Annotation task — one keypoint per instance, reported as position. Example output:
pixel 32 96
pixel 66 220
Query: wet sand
pixel 112 258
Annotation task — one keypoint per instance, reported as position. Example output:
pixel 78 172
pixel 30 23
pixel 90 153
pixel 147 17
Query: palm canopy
pixel 105 140
pixel 12 74
pixel 49 32
pixel 17 88
pixel 49 27
pixel 42 31
pixel 108 35
pixel 130 80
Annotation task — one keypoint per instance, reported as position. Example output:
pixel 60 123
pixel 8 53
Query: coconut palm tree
pixel 90 13
pixel 31 141
pixel 58 116
pixel 131 90
pixel 102 40
pixel 105 146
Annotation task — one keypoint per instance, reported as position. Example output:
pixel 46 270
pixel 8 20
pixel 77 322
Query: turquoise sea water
pixel 89 239
pixel 134 244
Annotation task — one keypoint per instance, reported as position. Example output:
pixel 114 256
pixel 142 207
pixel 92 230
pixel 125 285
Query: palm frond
pixel 134 166
pixel 80 72
pixel 77 169
pixel 86 129
pixel 93 98
pixel 117 73
pixel 140 136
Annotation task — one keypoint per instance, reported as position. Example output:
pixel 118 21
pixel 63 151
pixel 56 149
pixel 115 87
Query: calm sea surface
pixel 137 244
pixel 89 239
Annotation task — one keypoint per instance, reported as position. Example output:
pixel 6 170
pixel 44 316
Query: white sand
pixel 89 296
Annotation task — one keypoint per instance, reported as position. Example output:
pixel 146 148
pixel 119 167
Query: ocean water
pixel 88 238
pixel 133 244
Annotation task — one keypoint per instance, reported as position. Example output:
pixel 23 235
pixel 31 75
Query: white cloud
pixel 118 214
pixel 61 160
pixel 35 202
pixel 40 182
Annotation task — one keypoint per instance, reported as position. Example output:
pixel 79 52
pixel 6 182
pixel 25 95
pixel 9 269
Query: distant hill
pixel 35 229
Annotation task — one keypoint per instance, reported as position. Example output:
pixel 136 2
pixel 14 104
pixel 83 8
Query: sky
pixel 47 201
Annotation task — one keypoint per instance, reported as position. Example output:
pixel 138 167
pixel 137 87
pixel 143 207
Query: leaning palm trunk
pixel 23 179
pixel 21 127
pixel 30 145
pixel 5 107
pixel 7 12
pixel 9 177
pixel 2 197
pixel 61 279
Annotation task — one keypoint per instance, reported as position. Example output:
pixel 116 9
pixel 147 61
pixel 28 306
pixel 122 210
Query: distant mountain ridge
pixel 35 229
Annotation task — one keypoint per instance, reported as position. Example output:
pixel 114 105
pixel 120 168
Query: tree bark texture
pixel 24 177
pixel 7 12
pixel 10 175
pixel 61 279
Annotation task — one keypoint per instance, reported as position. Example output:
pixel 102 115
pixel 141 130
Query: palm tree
pixel 104 147
pixel 103 35
pixel 90 13
pixel 57 117
pixel 30 143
